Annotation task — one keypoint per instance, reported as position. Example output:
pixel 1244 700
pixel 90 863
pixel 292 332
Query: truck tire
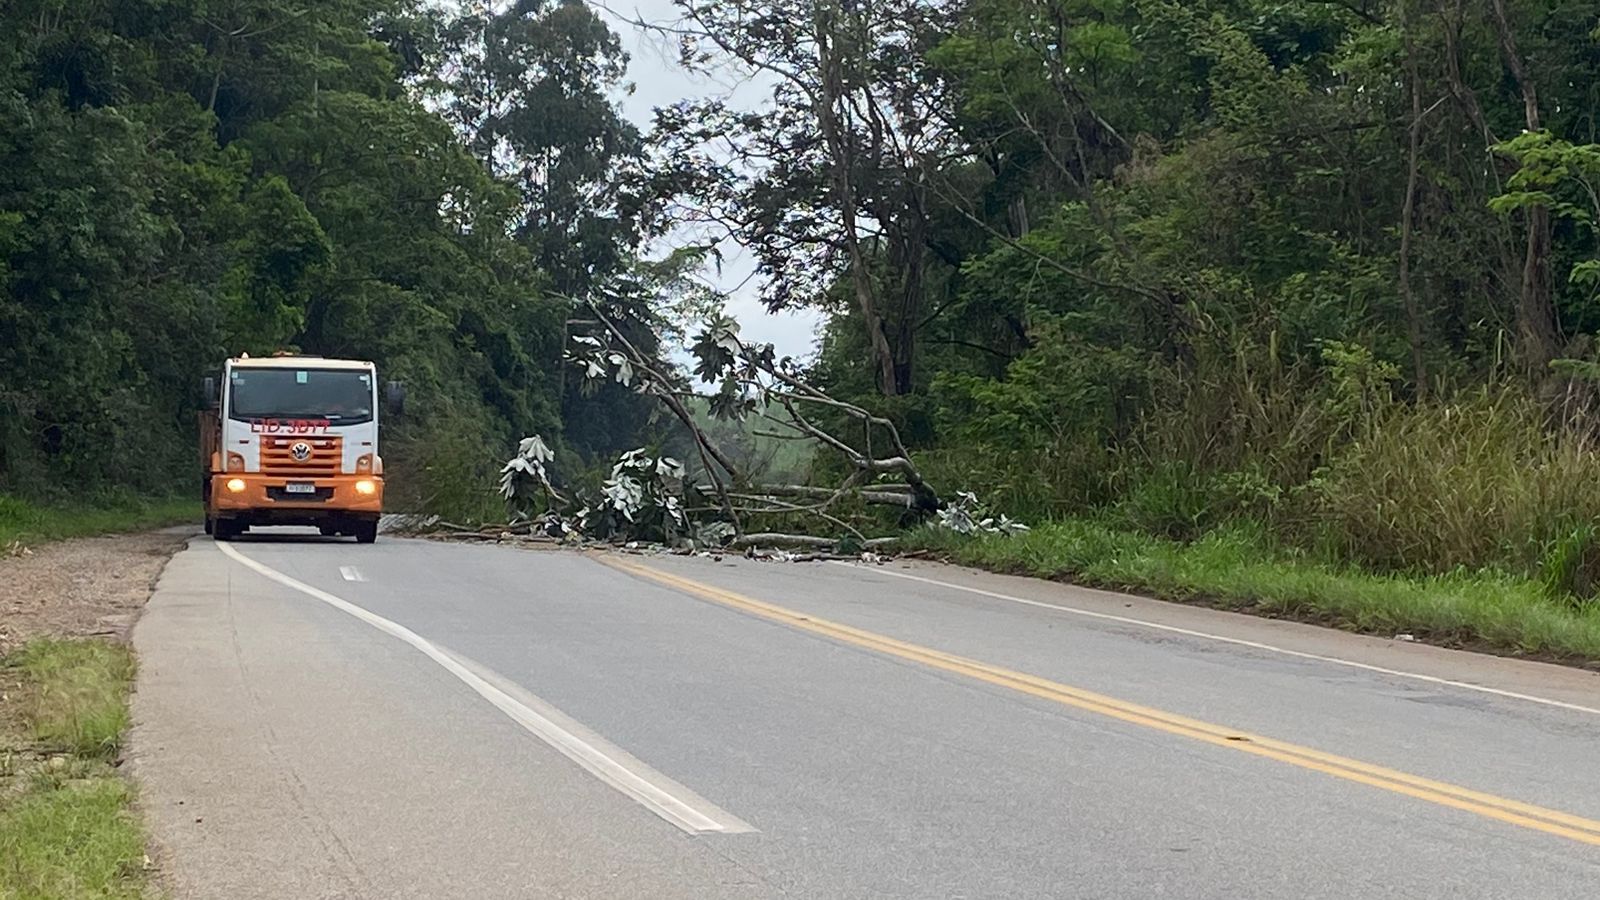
pixel 367 532
pixel 211 525
pixel 224 530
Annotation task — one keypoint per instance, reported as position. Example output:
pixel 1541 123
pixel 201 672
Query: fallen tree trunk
pixel 810 541
pixel 903 498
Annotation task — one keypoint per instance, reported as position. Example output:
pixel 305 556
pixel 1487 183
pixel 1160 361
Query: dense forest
pixel 180 182
pixel 1329 267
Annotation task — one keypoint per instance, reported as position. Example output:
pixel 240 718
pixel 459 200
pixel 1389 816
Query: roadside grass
pixel 76 695
pixel 1238 568
pixel 24 521
pixel 67 827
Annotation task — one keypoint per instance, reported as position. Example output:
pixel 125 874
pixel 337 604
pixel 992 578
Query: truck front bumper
pixel 268 498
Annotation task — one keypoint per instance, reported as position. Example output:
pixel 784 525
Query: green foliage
pixel 1170 501
pixel 1176 302
pixel 449 473
pixel 1029 485
pixel 81 838
pixel 1474 482
pixel 1065 389
pixel 1563 177
pixel 1570 570
pixel 529 86
pixel 1237 568
pixel 281 247
pixel 26 522
pixel 184 181
pixel 77 694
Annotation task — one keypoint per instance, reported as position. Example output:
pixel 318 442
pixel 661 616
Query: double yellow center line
pixel 1501 809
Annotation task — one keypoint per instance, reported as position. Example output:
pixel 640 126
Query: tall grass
pixel 1331 461
pixel 67 824
pixel 1242 408
pixel 1476 482
pixel 1031 483
pixel 77 696
pixel 1326 457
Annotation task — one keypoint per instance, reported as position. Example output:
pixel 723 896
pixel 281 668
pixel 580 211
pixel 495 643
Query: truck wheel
pixel 223 530
pixel 211 525
pixel 367 532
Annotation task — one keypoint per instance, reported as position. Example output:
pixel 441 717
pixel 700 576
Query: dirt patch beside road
pixel 81 588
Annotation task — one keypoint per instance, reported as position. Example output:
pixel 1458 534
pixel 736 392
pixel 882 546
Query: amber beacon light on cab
pixel 293 440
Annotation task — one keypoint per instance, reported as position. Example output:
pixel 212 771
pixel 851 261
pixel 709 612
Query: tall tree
pixel 829 178
pixel 530 86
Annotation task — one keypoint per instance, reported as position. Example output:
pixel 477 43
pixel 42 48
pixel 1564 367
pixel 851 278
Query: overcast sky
pixel 659 81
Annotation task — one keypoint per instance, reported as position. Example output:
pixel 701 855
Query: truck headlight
pixel 366 486
pixel 235 485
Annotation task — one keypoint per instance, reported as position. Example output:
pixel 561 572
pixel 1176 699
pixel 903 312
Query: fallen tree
pixel 748 382
pixel 652 498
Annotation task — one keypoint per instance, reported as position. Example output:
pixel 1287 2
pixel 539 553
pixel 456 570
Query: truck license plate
pixel 300 487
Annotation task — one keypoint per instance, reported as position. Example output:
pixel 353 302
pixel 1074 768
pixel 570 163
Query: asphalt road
pixel 411 719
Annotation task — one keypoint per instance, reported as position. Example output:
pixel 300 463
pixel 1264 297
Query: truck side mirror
pixel 394 396
pixel 208 392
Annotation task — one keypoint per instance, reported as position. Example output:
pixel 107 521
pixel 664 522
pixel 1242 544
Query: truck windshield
pixel 342 396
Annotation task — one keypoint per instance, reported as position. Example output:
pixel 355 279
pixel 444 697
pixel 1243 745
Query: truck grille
pixel 324 460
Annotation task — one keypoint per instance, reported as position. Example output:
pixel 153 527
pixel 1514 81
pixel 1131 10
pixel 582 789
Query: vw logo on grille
pixel 301 451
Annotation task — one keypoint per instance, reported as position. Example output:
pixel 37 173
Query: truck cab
pixel 293 440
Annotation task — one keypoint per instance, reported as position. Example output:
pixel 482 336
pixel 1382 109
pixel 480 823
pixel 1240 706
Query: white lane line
pixel 729 823
pixel 644 785
pixel 1254 645
pixel 351 573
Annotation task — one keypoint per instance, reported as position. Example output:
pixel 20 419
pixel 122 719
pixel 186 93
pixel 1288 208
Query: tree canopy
pixel 181 181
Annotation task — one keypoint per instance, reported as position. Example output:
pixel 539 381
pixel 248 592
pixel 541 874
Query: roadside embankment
pixel 1237 569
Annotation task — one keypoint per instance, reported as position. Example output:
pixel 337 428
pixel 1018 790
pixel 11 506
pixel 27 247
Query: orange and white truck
pixel 293 440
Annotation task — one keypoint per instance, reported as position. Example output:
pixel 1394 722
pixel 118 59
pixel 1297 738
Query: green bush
pixel 445 465
pixel 1316 447
pixel 1173 500
pixel 1169 501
